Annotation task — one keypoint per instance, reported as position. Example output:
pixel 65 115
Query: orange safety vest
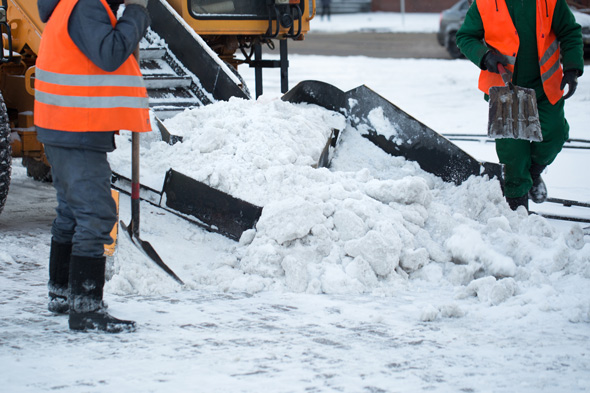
pixel 73 94
pixel 501 35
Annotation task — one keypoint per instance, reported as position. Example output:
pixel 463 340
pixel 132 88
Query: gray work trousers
pixel 86 211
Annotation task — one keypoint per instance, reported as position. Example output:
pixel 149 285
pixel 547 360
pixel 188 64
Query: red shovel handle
pixel 506 77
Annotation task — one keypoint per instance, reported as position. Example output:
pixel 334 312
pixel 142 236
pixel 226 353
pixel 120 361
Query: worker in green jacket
pixel 540 42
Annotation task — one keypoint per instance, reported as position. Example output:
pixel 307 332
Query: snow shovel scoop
pixel 513 111
pixel 133 228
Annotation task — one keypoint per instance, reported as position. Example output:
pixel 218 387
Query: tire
pixel 5 154
pixel 452 47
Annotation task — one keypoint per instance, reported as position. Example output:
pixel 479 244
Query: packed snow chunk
pixel 433 272
pixel 348 224
pixel 463 274
pixel 492 291
pixel 538 226
pixel 478 198
pixel 412 260
pixel 296 275
pixel 383 126
pixel 429 313
pixel 263 260
pixel 575 237
pixel 500 223
pixel 247 237
pixel 336 281
pixel 381 248
pixel 451 311
pixel 467 246
pixel 289 219
pixel 580 314
pixel 405 191
pixel 362 271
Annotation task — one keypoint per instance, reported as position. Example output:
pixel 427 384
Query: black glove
pixel 570 78
pixel 491 60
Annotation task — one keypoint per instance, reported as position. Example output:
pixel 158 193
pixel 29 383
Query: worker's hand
pixel 142 3
pixel 491 60
pixel 570 78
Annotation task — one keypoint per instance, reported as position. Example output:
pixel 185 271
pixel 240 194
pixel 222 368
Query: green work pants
pixel 517 155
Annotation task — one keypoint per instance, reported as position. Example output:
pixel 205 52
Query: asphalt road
pixel 380 45
pixel 384 45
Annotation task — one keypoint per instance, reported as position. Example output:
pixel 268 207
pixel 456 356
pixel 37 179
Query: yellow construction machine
pixel 188 70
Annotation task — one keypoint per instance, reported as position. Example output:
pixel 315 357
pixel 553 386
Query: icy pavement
pixel 200 341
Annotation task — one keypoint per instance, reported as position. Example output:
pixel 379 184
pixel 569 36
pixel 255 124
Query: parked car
pixel 452 18
pixel 450 22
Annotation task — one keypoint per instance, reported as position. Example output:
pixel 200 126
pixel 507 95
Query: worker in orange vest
pixel 540 42
pixel 87 87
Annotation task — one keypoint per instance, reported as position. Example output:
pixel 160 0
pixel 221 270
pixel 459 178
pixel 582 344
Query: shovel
pixel 133 228
pixel 513 111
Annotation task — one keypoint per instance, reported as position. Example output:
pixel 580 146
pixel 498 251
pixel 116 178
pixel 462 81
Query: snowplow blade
pixel 412 139
pixel 202 205
pixel 232 216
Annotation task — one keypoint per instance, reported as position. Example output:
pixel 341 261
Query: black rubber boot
pixel 59 271
pixel 514 203
pixel 538 192
pixel 87 311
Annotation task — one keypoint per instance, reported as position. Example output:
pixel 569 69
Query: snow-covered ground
pixel 379 22
pixel 373 276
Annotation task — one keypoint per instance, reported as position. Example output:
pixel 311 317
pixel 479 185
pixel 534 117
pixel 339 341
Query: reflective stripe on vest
pixel 73 94
pixel 91 102
pixel 549 54
pixel 89 80
pixel 118 82
pixel 497 22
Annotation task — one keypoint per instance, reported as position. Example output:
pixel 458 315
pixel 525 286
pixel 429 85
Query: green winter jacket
pixel 523 13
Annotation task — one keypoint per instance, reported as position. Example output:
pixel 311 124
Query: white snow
pixel 377 22
pixel 370 276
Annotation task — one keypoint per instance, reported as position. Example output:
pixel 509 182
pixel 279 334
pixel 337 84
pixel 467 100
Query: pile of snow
pixel 372 223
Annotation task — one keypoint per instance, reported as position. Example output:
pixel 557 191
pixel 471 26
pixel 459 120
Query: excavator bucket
pixel 404 136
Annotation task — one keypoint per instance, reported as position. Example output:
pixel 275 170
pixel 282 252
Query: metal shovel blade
pixel 514 114
pixel 148 250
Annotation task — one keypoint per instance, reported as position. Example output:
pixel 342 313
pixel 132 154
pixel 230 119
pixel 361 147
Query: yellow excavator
pixel 197 64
